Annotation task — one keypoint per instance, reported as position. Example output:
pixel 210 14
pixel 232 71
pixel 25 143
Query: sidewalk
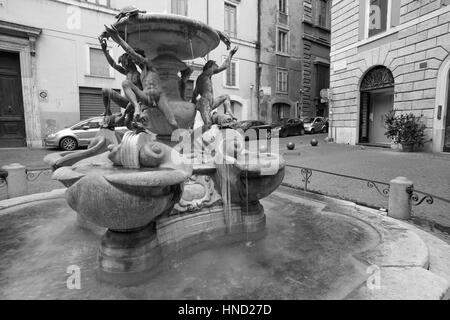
pixel 429 172
pixel 31 159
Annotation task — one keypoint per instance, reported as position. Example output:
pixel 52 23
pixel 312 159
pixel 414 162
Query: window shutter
pixel 395 12
pixel 362 18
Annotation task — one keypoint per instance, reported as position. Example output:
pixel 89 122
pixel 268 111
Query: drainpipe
pixel 207 22
pixel 258 61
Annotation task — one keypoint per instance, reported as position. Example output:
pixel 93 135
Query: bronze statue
pixel 151 94
pixel 204 87
pixel 185 75
pixel 129 69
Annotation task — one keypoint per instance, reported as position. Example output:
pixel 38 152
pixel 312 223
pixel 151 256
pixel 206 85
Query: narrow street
pixel 429 172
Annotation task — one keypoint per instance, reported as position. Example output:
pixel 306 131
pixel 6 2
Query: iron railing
pixel 382 188
pixel 35 173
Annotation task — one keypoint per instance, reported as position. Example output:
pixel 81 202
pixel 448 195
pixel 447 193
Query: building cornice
pixel 19 30
pixel 88 6
pixel 316 40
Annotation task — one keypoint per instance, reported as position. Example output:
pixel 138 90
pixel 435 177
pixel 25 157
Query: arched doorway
pixel 280 111
pixel 441 122
pixel 377 99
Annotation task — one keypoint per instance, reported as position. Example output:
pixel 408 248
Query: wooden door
pixel 381 104
pixel 12 121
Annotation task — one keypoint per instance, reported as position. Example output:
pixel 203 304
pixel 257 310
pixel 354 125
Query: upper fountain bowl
pixel 161 33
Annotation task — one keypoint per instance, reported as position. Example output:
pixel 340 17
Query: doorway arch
pixel 441 122
pixel 377 99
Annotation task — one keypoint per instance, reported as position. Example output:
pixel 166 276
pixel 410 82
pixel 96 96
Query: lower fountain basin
pixel 310 252
pixel 120 199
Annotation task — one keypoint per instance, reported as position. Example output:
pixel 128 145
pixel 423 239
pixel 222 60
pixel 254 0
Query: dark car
pixel 289 127
pixel 256 125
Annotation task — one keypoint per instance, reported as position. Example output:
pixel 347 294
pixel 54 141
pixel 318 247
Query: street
pixel 429 172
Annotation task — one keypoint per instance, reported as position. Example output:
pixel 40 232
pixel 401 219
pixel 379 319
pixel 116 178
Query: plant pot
pixel 407 147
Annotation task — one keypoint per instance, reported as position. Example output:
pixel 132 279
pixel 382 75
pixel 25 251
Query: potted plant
pixel 407 130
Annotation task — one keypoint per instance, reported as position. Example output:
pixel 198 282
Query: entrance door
pixel 280 111
pixel 12 121
pixel 380 105
pixel 447 122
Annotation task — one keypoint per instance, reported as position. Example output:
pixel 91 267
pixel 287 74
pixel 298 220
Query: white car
pixel 315 125
pixel 78 135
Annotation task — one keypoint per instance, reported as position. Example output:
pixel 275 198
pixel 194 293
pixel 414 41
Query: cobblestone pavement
pixel 32 159
pixel 429 172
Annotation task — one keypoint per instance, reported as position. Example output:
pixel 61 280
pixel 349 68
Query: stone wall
pixel 413 50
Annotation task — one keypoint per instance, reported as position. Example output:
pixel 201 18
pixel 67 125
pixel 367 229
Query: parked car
pixel 289 127
pixel 78 135
pixel 246 125
pixel 316 125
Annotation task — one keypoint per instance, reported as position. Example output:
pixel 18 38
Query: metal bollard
pixel 17 184
pixel 400 198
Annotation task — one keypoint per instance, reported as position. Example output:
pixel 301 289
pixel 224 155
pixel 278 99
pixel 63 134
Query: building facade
pixel 52 69
pixel 294 39
pixel 389 55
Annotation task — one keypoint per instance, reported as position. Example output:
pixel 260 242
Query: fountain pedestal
pixel 153 202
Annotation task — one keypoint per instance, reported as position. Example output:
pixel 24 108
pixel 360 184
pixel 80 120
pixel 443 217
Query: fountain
pixel 149 194
pixel 175 213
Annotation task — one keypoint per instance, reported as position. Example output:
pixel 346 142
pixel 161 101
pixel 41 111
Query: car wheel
pixel 325 130
pixel 68 144
pixel 312 131
pixel 302 132
pixel 283 134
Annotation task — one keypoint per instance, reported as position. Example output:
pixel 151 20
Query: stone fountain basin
pixel 121 199
pixel 159 33
pixel 254 176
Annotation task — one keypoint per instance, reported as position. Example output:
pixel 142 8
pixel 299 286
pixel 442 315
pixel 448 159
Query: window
pixel 282 43
pixel 282 80
pixel 322 13
pixel 230 20
pixel 105 3
pixel 98 65
pixel 94 124
pixel 180 7
pixel 282 6
pixel 378 16
pixel 231 75
pixel 322 78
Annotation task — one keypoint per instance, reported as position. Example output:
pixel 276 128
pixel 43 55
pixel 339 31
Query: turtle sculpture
pixel 127 12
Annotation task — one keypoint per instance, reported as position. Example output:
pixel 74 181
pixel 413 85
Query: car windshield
pixel 308 120
pixel 92 123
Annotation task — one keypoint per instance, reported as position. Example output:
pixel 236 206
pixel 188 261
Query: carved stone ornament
pixel 377 78
pixel 198 193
